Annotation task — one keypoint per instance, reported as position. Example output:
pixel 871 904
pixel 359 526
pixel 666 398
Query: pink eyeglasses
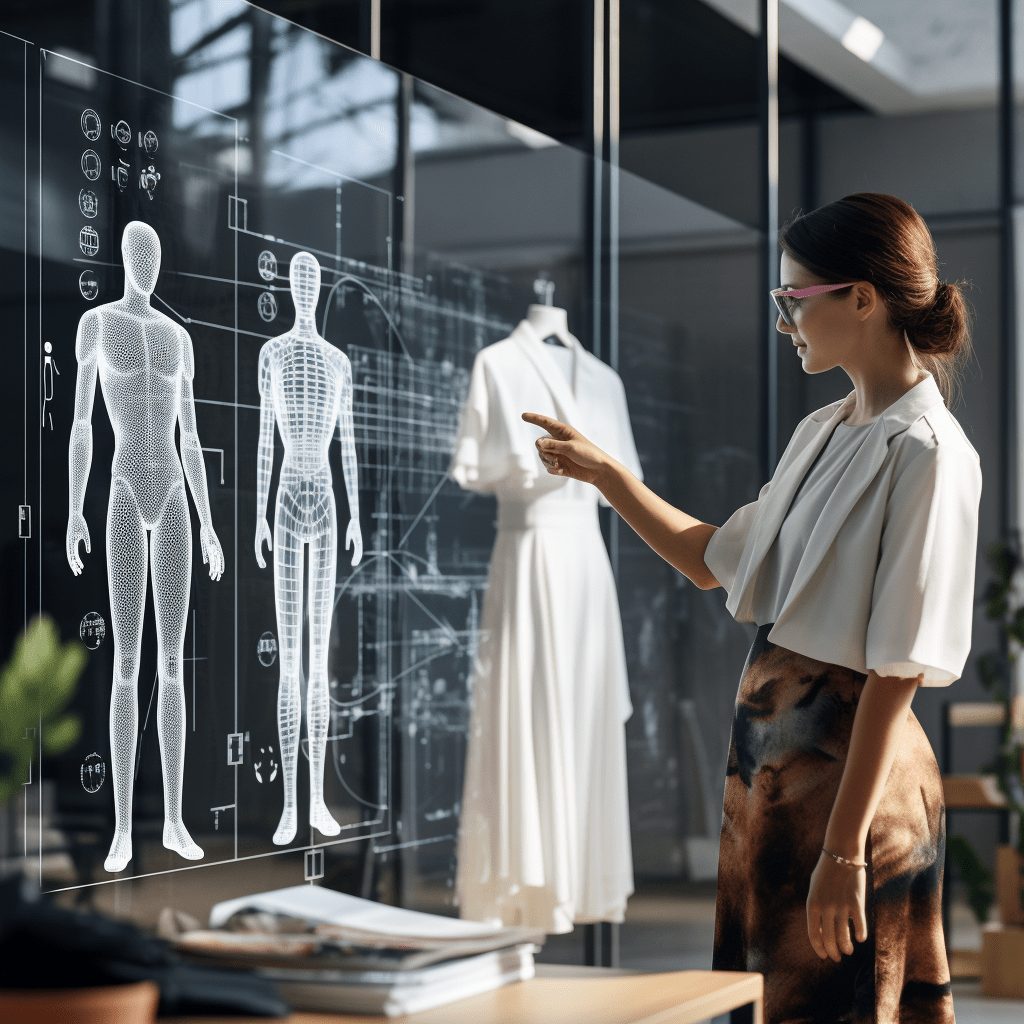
pixel 783 295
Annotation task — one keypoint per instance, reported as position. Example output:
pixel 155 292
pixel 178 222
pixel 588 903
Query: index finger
pixel 554 427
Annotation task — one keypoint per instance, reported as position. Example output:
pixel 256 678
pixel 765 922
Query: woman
pixel 856 562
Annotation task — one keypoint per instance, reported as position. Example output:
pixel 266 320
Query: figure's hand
pixel 566 452
pixel 212 553
pixel 78 532
pixel 354 536
pixel 263 537
pixel 837 893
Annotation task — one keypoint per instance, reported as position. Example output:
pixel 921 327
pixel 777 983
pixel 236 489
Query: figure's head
pixel 880 249
pixel 304 276
pixel 140 250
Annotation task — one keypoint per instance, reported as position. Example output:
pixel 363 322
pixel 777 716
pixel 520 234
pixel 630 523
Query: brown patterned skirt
pixel 790 736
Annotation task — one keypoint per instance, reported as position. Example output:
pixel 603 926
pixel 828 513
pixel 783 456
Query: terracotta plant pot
pixel 116 1004
pixel 1010 885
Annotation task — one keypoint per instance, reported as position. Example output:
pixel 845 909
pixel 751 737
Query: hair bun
pixel 947 298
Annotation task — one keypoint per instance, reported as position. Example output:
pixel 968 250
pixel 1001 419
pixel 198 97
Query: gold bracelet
pixel 842 860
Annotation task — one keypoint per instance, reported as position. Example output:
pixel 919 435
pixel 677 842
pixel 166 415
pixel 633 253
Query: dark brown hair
pixel 872 236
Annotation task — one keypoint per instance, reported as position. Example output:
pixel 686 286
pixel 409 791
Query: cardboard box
pixel 1002 956
pixel 1010 885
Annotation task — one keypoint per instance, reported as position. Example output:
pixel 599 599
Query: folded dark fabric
pixel 43 945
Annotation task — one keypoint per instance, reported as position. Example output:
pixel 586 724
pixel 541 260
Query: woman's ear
pixel 867 298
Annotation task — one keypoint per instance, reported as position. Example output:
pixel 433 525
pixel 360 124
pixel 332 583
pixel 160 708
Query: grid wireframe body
pixel 145 366
pixel 306 388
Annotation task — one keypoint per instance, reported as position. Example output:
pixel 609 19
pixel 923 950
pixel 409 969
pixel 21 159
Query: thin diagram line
pixel 335 174
pixel 228 860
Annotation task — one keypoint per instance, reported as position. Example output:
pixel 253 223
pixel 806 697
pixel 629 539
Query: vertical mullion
pixel 597 151
pixel 768 145
pixel 369 27
pixel 601 103
pixel 1011 414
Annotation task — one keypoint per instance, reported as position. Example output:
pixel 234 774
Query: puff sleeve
pixel 492 446
pixel 464 467
pixel 922 600
pixel 724 549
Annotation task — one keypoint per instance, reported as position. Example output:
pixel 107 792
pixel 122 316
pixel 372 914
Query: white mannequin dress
pixel 544 839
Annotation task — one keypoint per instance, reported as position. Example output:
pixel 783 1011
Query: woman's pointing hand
pixel 566 452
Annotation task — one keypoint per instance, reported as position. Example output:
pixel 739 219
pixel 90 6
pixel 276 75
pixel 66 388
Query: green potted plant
pixel 36 686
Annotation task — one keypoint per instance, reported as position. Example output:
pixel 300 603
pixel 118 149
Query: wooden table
pixel 580 995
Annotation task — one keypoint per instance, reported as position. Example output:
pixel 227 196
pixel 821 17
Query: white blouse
pixel 875 568
pixel 780 564
pixel 773 584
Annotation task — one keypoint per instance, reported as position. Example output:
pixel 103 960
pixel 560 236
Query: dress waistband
pixel 562 514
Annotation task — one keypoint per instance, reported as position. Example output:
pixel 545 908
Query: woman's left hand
pixel 837 894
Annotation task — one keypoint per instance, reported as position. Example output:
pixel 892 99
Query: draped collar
pixel 564 392
pixel 793 467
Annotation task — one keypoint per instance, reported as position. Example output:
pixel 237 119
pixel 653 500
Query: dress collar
pixel 564 392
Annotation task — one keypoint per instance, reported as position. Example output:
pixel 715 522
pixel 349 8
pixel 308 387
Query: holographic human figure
pixel 145 366
pixel 306 388
pixel 49 369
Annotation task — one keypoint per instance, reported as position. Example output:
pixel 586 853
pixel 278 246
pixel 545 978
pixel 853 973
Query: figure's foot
pixel 119 855
pixel 285 828
pixel 320 818
pixel 177 839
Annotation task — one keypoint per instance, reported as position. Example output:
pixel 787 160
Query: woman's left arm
pixel 838 891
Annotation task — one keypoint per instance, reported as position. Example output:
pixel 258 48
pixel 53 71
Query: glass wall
pixel 204 155
pixel 242 139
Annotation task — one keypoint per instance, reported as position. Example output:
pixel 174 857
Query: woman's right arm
pixel 679 538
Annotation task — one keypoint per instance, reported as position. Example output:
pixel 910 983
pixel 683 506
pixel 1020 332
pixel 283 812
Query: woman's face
pixel 825 325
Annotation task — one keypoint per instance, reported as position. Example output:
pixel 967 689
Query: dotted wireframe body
pixel 145 366
pixel 306 388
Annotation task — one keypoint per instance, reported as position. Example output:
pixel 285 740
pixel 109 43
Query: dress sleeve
pixel 722 554
pixel 922 601
pixel 464 467
pixel 492 444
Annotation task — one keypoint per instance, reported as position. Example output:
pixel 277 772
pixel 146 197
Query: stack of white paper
pixel 330 952
pixel 396 993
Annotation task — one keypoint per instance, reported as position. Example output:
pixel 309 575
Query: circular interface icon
pixel 267 265
pixel 91 164
pixel 91 126
pixel 88 285
pixel 265 764
pixel 119 174
pixel 92 772
pixel 122 132
pixel 266 649
pixel 150 143
pixel 148 180
pixel 88 203
pixel 92 629
pixel 89 240
pixel 267 306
